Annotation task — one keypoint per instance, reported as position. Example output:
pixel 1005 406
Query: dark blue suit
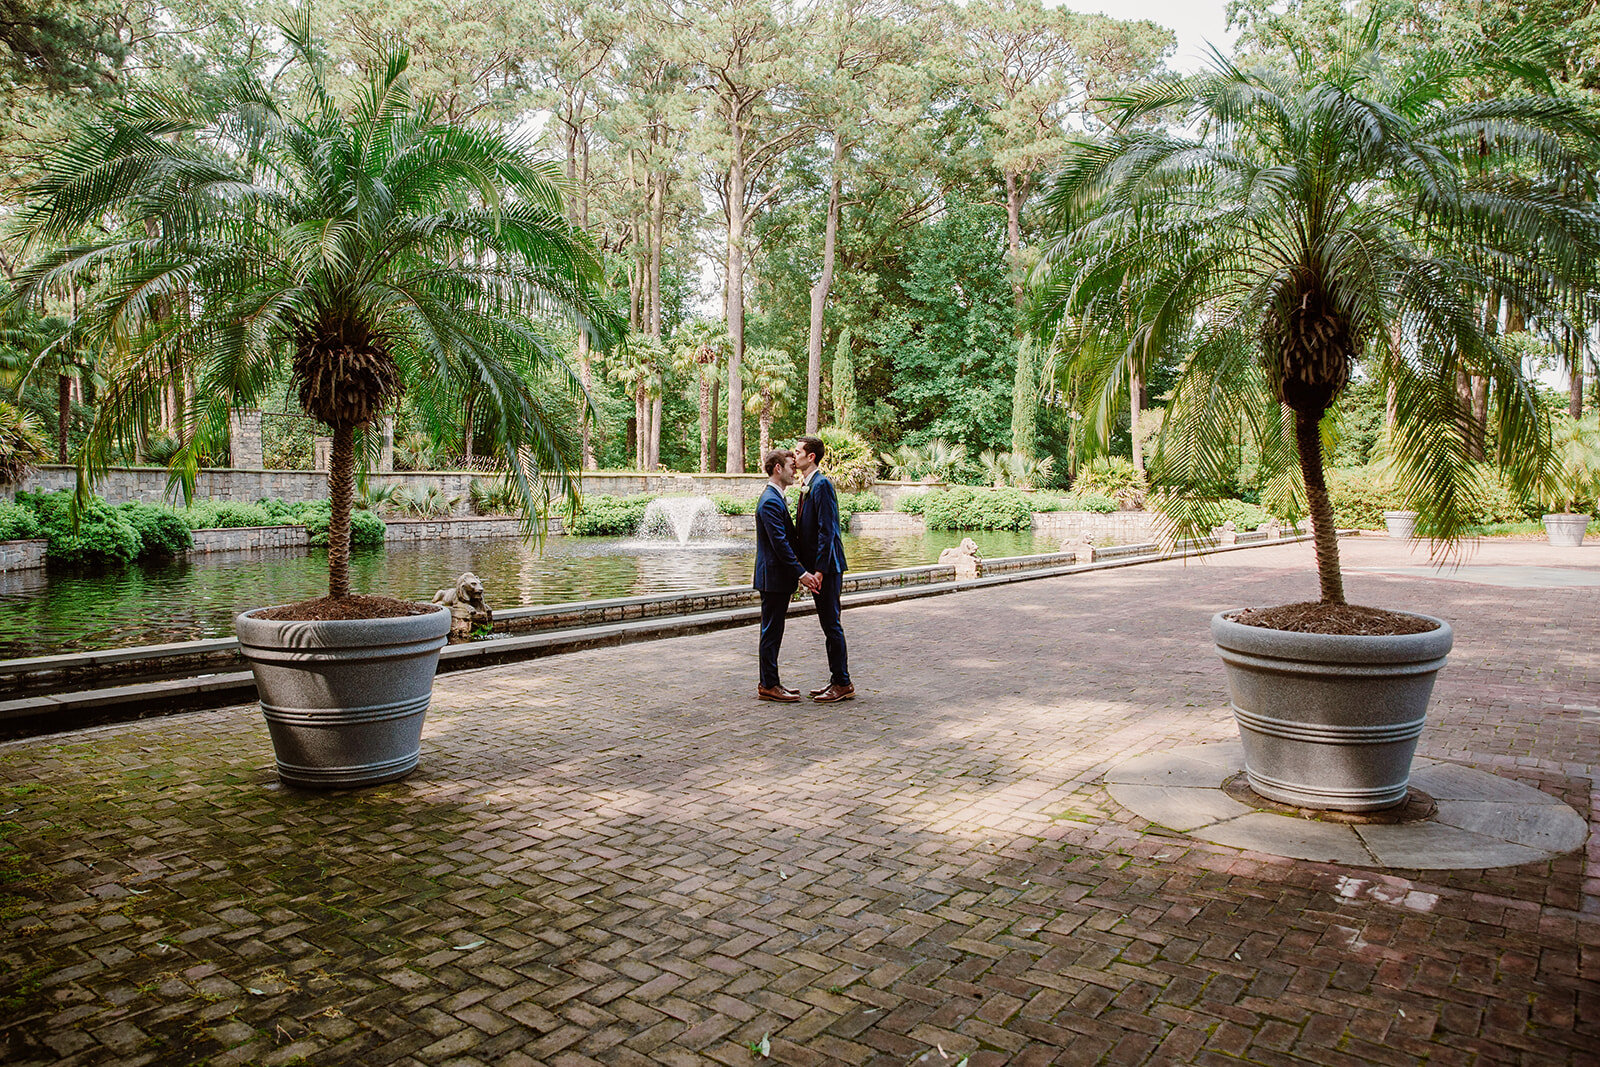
pixel 822 547
pixel 778 571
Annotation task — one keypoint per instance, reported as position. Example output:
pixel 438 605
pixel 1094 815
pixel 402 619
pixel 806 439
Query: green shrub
pixel 912 503
pixel 366 529
pixel 162 531
pixel 1046 502
pixel 101 534
pixel 17 522
pixel 492 497
pixel 966 508
pixel 604 515
pixel 860 502
pixel 1244 516
pixel 281 513
pixel 1112 476
pixel 1096 502
pixel 1360 497
pixel 848 459
pixel 226 515
pixel 733 505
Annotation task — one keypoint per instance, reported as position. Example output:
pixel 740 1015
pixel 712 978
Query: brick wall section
pixel 23 555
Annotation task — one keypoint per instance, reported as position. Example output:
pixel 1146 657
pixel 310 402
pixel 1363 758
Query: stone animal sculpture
pixel 1081 548
pixel 966 560
pixel 466 605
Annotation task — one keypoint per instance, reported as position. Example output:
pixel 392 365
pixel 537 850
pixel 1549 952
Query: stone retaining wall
pixel 1117 526
pixel 22 555
pixel 239 538
pixel 470 528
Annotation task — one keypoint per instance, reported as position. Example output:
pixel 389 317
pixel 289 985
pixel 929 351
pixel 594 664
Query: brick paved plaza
pixel 619 857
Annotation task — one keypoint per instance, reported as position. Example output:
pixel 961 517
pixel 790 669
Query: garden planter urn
pixel 1566 531
pixel 1402 525
pixel 1329 721
pixel 344 700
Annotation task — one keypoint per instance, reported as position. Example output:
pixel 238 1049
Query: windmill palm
pixel 1337 208
pixel 366 250
pixel 700 346
pixel 769 375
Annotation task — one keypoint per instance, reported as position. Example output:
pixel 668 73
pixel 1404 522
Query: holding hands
pixel 812 581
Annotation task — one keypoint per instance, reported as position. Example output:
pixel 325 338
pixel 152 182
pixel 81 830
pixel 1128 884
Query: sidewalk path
pixel 620 857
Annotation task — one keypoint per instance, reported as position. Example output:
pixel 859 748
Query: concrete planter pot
pixel 1329 721
pixel 1566 531
pixel 344 700
pixel 1402 525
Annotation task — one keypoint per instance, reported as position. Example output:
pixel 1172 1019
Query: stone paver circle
pixel 1483 820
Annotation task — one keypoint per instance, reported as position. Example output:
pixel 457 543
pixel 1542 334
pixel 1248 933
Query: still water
pixel 47 611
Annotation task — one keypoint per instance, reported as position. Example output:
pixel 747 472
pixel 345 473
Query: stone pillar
pixel 386 452
pixel 244 439
pixel 321 453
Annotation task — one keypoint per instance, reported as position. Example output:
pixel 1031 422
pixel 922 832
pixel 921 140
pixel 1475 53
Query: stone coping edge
pixel 51 713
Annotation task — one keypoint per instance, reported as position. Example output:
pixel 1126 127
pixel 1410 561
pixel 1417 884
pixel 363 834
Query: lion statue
pixel 466 605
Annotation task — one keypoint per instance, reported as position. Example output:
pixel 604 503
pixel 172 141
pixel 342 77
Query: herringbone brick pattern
pixel 618 857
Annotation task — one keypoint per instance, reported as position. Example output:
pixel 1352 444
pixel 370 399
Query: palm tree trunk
pixel 341 491
pixel 1308 440
pixel 641 422
pixel 716 412
pixel 655 432
pixel 766 433
pixel 708 441
pixel 63 415
pixel 586 377
pixel 1135 405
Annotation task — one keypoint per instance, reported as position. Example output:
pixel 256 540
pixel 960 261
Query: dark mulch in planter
pixel 1315 617
pixel 328 608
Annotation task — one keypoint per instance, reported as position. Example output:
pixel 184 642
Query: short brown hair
pixel 774 459
pixel 813 445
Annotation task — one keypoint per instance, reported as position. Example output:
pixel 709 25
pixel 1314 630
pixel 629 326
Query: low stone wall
pixel 1117 526
pixel 886 523
pixel 240 538
pixel 23 555
pixel 470 528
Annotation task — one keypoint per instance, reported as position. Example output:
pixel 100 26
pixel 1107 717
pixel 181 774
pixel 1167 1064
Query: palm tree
pixel 769 378
pixel 700 346
pixel 369 250
pixel 1306 217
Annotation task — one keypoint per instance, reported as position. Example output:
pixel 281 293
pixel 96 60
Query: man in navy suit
pixel 778 571
pixel 822 549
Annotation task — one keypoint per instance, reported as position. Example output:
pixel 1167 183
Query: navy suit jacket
pixel 820 543
pixel 778 566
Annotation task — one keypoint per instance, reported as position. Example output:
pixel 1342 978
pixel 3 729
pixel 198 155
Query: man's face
pixel 783 473
pixel 802 458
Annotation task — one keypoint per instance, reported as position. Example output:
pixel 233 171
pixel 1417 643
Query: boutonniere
pixel 805 487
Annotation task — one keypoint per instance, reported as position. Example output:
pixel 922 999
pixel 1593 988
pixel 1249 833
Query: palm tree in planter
pixel 371 249
pixel 1336 208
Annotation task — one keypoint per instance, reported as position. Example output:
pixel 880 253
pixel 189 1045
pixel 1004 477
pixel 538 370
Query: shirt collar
pixel 806 479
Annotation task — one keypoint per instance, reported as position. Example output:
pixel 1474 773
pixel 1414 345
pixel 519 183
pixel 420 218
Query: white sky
pixel 1196 22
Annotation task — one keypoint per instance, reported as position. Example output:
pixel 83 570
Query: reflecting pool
pixel 51 610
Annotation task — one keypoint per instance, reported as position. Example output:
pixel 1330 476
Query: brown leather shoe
pixel 791 690
pixel 815 693
pixel 835 693
pixel 780 694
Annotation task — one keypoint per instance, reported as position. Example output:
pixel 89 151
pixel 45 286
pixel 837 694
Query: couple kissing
pixel 792 553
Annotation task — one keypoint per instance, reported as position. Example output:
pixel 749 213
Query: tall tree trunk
pixel 655 432
pixel 716 411
pixel 657 239
pixel 1016 193
pixel 819 294
pixel 466 429
pixel 1308 442
pixel 708 436
pixel 1135 409
pixel 1574 353
pixel 641 420
pixel 766 432
pixel 63 415
pixel 341 491
pixel 586 423
pixel 736 220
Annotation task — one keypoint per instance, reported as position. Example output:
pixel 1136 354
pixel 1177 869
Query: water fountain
pixel 679 517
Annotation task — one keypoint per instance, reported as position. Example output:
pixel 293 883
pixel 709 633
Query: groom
pixel 822 549
pixel 778 570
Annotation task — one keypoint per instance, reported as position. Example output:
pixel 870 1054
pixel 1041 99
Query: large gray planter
pixel 1402 525
pixel 1565 531
pixel 1329 721
pixel 344 700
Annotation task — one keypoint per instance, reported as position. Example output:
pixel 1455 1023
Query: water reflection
pixel 46 611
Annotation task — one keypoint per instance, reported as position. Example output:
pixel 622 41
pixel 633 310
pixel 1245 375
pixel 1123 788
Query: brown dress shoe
pixel 791 690
pixel 780 694
pixel 835 693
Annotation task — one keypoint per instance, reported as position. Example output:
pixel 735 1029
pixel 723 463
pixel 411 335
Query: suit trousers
pixel 774 609
pixel 827 601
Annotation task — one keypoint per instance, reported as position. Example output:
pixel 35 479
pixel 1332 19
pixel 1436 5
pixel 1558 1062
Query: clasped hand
pixel 812 581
